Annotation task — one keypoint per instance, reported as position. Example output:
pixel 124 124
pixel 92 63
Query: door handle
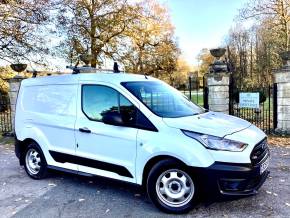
pixel 85 130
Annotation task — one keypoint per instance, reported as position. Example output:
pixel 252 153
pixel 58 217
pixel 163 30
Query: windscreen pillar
pixel 282 79
pixel 218 91
pixel 14 85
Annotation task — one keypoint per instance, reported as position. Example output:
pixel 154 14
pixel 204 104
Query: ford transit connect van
pixel 140 130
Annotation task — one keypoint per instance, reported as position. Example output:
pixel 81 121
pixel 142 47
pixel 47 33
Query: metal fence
pixel 194 90
pixel 5 114
pixel 265 116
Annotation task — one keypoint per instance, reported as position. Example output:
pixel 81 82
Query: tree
pixel 276 10
pixel 179 77
pixel 91 26
pixel 205 59
pixel 150 44
pixel 20 23
pixel 253 53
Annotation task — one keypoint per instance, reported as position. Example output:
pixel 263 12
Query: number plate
pixel 264 165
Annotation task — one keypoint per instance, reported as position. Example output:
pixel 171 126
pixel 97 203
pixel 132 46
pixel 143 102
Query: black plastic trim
pixel 17 149
pixel 69 171
pixel 67 158
pixel 212 176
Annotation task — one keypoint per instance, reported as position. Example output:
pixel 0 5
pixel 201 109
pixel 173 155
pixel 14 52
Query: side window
pixel 128 111
pixel 98 100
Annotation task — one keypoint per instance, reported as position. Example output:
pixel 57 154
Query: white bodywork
pixel 49 111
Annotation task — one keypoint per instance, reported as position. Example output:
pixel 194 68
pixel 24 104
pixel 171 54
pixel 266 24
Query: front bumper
pixel 232 179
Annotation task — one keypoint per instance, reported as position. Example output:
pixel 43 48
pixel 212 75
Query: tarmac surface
pixel 65 195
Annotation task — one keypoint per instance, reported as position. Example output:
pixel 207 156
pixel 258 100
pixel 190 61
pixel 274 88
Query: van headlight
pixel 216 143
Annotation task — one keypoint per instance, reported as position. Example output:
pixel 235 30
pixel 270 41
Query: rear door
pixel 104 149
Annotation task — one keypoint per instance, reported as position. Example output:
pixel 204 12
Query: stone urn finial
pixel 18 68
pixel 218 65
pixel 285 56
pixel 217 52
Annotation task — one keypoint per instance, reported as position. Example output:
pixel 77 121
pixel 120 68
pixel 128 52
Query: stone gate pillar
pixel 218 92
pixel 14 85
pixel 282 78
pixel 218 82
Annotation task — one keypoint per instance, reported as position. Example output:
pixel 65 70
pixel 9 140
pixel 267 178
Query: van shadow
pixel 131 191
pixel 78 196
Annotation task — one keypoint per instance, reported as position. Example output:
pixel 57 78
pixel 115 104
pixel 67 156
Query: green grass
pixel 196 98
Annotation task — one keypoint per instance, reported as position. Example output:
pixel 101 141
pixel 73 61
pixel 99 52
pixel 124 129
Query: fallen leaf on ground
pixel 107 211
pixel 268 192
pixel 81 199
pixel 279 141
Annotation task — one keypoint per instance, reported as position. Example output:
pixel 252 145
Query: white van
pixel 140 130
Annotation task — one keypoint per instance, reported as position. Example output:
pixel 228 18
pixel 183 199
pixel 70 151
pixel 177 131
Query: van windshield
pixel 162 99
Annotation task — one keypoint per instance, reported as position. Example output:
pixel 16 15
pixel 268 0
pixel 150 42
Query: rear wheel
pixel 34 162
pixel 171 188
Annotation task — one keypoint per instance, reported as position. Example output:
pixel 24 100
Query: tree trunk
pixel 93 36
pixel 251 64
pixel 93 52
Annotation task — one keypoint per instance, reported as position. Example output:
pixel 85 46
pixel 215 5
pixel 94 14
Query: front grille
pixel 259 152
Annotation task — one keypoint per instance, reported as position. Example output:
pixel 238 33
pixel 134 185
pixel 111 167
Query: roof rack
pixel 88 69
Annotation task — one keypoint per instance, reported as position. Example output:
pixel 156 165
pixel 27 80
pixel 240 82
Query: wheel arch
pixel 154 160
pixel 21 147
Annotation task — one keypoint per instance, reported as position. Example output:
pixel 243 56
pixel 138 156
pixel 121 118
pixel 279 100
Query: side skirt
pixel 69 171
pixel 67 158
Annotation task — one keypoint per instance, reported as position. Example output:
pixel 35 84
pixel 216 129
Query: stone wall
pixel 218 92
pixel 14 85
pixel 282 78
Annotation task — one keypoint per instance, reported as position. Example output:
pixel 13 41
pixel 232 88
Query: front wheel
pixel 34 162
pixel 171 188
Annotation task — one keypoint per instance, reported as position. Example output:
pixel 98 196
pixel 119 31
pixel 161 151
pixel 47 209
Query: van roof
pixel 115 78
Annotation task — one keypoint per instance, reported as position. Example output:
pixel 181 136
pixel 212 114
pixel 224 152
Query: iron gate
pixel 194 90
pixel 264 117
pixel 5 114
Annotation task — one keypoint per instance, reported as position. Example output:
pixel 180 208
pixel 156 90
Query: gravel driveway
pixel 64 195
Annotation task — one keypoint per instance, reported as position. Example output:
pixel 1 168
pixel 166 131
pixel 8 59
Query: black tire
pixel 163 169
pixel 40 170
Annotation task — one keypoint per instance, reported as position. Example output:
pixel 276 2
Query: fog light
pixel 231 184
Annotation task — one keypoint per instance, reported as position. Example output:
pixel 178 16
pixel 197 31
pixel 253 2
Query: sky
pixel 202 23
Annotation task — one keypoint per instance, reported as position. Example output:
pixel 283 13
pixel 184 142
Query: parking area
pixel 65 195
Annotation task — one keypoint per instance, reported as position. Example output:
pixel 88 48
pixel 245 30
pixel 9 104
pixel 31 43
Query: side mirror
pixel 113 118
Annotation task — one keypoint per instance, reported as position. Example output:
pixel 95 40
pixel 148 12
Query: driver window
pixel 97 100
